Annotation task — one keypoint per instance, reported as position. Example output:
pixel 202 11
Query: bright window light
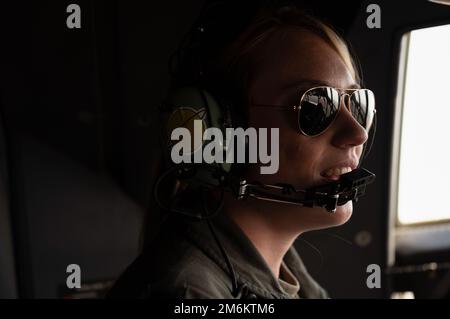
pixel 424 171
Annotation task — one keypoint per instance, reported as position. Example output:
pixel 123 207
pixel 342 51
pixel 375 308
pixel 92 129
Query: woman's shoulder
pixel 173 267
pixel 194 275
pixel 188 274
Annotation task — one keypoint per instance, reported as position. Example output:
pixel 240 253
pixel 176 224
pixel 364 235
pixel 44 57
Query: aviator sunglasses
pixel 319 106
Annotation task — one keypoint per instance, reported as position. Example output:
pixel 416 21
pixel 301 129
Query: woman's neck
pixel 265 231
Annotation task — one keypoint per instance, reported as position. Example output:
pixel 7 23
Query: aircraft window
pixel 424 158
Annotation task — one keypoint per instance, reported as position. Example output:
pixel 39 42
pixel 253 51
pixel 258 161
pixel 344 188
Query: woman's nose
pixel 347 131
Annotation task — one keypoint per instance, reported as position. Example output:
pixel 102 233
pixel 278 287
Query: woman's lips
pixel 334 174
pixel 332 178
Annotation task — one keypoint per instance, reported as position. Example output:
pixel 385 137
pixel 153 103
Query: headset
pixel 177 190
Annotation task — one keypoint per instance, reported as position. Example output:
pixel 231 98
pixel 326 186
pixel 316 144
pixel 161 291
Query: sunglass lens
pixel 362 105
pixel 319 107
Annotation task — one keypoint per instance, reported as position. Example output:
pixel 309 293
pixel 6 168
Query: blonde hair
pixel 238 59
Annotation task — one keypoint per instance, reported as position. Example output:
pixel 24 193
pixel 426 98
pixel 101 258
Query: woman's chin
pixel 342 214
pixel 319 218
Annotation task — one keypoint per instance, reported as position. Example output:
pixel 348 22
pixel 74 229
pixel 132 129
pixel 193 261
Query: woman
pixel 280 57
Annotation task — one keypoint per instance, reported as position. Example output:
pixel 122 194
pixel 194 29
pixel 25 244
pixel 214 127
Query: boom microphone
pixel 350 186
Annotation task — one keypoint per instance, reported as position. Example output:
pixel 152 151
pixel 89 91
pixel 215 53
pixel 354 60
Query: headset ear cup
pixel 189 103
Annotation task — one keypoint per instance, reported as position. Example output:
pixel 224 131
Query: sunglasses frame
pixel 299 107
